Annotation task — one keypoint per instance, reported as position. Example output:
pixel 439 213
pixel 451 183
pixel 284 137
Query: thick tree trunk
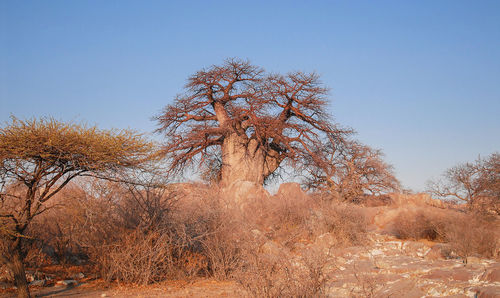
pixel 17 267
pixel 243 160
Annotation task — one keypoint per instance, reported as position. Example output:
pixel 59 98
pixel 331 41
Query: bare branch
pixel 249 118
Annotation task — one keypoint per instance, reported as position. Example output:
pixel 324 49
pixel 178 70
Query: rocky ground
pixel 384 266
pixel 393 268
pixel 388 267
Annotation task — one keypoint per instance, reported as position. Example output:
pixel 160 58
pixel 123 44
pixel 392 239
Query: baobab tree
pixel 252 121
pixel 38 158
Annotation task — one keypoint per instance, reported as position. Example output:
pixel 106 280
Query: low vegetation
pixel 287 247
pixel 38 158
pixel 73 195
pixel 467 233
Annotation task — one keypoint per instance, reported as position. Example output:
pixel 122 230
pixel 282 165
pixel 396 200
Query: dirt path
pixel 201 288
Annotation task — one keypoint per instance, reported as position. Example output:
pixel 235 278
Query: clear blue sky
pixel 418 79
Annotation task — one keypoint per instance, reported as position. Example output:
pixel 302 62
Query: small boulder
pixel 38 283
pixel 271 248
pixel 441 274
pixel 67 283
pixel 30 276
pixel 492 274
pixel 291 190
pixel 243 193
pixel 462 274
pixel 487 292
pixel 439 251
pixel 416 249
pixel 78 276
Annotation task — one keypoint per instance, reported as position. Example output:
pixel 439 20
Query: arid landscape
pixel 249 148
pixel 289 244
pixel 87 212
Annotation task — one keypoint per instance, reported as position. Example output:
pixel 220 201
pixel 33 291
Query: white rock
pixel 67 282
pixel 38 283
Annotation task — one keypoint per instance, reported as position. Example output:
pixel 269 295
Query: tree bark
pixel 244 160
pixel 17 267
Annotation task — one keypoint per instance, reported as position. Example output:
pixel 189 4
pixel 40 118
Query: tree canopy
pixel 251 120
pixel 476 184
pixel 351 170
pixel 38 158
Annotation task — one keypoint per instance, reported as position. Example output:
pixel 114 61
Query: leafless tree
pixel 475 183
pixel 252 121
pixel 38 158
pixel 491 178
pixel 352 170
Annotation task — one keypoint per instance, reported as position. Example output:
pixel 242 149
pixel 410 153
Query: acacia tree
pixel 477 184
pixel 252 121
pixel 351 170
pixel 38 158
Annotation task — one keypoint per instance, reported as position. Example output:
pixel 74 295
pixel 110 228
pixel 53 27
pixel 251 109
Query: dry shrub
pixel 316 271
pixel 367 284
pixel 74 228
pixel 282 275
pixel 467 233
pixel 222 246
pixel 420 224
pixel 472 234
pixel 292 219
pixel 262 275
pixel 373 200
pixel 139 258
pixel 86 223
pixel 252 244
pixel 284 219
pixel 152 256
pixel 346 222
pixel 280 265
pixel 211 230
pixel 144 236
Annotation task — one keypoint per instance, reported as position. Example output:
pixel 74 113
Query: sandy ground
pixel 200 288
